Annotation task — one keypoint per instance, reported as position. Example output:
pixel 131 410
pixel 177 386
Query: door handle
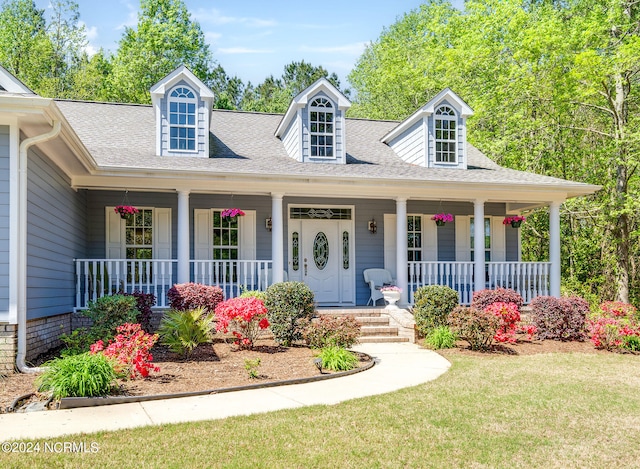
pixel 305 266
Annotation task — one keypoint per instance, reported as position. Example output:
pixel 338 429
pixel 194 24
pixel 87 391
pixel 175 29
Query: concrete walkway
pixel 398 365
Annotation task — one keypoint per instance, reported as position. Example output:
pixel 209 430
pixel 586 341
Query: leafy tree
pixel 165 38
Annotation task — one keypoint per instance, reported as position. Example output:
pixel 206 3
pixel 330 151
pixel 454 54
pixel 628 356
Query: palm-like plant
pixel 183 331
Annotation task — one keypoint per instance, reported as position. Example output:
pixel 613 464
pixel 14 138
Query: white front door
pixel 324 259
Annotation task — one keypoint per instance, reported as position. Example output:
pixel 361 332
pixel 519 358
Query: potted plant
pixel 231 213
pixel 391 295
pixel 442 218
pixel 515 221
pixel 126 211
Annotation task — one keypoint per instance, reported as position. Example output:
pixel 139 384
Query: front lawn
pixel 545 410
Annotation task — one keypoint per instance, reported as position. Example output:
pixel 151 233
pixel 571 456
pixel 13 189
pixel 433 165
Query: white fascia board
pixel 12 84
pixel 181 73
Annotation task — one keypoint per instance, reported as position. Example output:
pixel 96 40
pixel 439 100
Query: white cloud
pixel 132 16
pixel 91 32
pixel 242 50
pixel 90 50
pixel 214 16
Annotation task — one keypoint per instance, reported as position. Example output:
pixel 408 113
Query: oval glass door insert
pixel 321 250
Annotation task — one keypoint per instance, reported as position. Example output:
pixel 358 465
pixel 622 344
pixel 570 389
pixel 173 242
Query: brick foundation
pixel 43 334
pixel 8 348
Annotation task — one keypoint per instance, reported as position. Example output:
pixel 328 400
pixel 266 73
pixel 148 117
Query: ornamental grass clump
pixel 337 359
pixel 83 375
pixel 432 306
pixel 336 331
pixel 559 318
pixel 246 318
pixel 289 304
pixel 440 338
pixel 476 326
pixel 183 331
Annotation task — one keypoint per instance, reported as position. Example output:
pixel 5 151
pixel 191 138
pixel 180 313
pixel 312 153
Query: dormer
pixel 10 84
pixel 313 128
pixel 182 105
pixel 435 136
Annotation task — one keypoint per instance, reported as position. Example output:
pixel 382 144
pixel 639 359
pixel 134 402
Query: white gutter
pixel 22 244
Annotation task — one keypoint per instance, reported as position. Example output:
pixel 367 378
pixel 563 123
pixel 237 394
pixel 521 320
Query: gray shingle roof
pixel 123 136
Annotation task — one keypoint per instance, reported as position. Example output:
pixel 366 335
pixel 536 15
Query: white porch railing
pixel 96 278
pixel 529 279
pixel 233 276
pixel 101 277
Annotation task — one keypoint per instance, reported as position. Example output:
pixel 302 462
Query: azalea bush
pixel 483 298
pixel 432 306
pixel 130 350
pixel 246 318
pixel 478 327
pixel 188 296
pixel 508 316
pixel 337 331
pixel 615 326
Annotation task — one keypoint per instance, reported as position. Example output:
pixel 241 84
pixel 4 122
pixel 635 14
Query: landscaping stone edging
pixel 76 402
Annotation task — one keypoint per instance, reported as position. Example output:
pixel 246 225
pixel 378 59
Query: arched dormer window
pixel 182 120
pixel 446 124
pixel 321 128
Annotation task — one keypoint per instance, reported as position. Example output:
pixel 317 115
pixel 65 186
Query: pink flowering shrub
pixel 188 296
pixel 246 318
pixel 508 316
pixel 131 350
pixel 483 298
pixel 615 326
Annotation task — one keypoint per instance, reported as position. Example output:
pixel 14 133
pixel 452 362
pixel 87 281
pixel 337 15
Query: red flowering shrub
pixel 476 326
pixel 144 303
pixel 508 316
pixel 483 298
pixel 187 296
pixel 331 331
pixel 615 326
pixel 245 317
pixel 529 329
pixel 131 350
pixel 559 318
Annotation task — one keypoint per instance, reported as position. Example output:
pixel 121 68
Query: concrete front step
pixel 375 324
pixel 378 330
pixel 372 339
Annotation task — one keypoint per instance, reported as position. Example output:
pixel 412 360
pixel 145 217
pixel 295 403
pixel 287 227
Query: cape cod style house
pixel 324 196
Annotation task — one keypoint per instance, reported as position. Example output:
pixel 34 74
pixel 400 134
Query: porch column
pixel 478 245
pixel 183 237
pixel 277 238
pixel 554 248
pixel 402 273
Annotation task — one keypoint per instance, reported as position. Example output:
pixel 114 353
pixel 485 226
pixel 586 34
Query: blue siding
pixel 291 139
pixel 410 144
pixel 56 230
pixel 4 220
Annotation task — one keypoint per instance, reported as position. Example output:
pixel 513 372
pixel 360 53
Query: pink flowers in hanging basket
pixel 232 213
pixel 125 210
pixel 514 221
pixel 442 218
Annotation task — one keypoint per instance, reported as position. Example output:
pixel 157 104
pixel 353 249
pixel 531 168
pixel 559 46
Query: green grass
pixel 547 411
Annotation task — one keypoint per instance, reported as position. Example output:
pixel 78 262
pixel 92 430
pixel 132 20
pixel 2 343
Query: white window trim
pixel 193 100
pixel 323 134
pixel 203 234
pixel 115 234
pixel 448 118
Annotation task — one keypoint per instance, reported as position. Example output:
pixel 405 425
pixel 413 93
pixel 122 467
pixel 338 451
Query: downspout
pixel 22 244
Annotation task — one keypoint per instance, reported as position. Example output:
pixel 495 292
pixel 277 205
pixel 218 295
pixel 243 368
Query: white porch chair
pixel 376 278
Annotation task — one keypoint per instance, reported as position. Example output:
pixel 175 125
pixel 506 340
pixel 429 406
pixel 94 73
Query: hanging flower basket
pixel 125 211
pixel 442 218
pixel 514 221
pixel 232 213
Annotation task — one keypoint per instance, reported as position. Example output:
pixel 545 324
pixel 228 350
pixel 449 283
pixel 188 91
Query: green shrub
pixel 337 331
pixel 252 368
pixel 476 326
pixel 288 305
pixel 337 359
pixel 261 295
pixel 109 312
pixel 440 337
pixel 432 306
pixel 83 375
pixel 483 298
pixel 186 296
pixel 183 331
pixel 77 342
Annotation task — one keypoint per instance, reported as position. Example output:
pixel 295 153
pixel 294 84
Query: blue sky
pixel 256 38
